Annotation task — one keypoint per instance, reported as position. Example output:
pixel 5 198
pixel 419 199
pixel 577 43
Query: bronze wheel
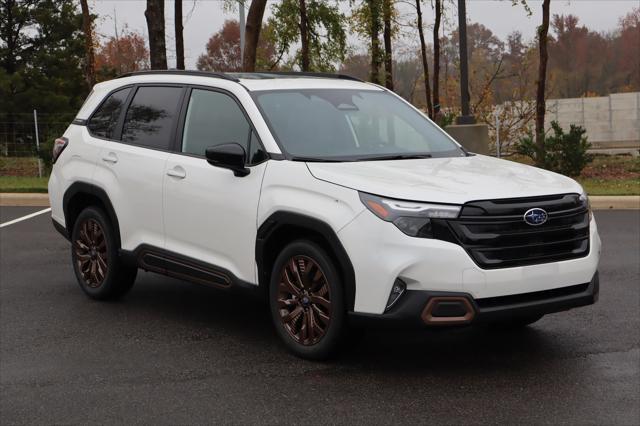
pixel 90 250
pixel 100 271
pixel 304 300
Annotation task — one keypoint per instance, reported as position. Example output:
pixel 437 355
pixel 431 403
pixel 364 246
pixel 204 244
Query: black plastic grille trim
pixel 495 235
pixel 492 302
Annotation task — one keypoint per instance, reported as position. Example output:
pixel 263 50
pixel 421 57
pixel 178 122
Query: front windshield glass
pixel 350 125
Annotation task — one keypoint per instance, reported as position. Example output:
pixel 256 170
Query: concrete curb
pixel 24 199
pixel 598 202
pixel 605 202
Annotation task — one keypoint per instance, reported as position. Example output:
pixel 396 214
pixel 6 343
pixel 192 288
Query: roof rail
pixel 276 74
pixel 318 75
pixel 182 72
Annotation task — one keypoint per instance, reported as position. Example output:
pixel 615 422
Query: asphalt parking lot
pixel 173 352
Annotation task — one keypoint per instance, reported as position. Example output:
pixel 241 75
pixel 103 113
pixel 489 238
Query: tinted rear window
pixel 150 117
pixel 104 120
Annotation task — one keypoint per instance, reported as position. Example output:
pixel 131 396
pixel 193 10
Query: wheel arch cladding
pixel 282 228
pixel 81 195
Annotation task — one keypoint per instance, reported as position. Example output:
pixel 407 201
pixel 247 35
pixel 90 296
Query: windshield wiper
pixel 368 158
pixel 396 157
pixel 315 159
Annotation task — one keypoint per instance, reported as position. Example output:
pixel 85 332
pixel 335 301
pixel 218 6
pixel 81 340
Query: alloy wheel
pixel 304 300
pixel 90 249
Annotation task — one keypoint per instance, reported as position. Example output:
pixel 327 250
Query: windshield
pixel 350 125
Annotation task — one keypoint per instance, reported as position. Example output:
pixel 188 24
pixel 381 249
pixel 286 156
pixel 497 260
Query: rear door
pixel 131 164
pixel 210 214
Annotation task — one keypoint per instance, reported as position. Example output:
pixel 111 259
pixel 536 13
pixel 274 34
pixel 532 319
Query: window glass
pixel 256 152
pixel 213 118
pixel 350 125
pixel 104 120
pixel 150 117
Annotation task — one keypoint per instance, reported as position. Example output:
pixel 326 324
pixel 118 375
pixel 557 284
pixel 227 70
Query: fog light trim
pixel 398 289
pixel 430 319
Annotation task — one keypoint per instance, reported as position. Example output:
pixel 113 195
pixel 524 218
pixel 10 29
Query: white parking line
pixel 29 216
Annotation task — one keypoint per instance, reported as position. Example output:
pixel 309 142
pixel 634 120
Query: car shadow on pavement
pixel 203 313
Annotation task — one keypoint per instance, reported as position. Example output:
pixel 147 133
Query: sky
pixel 202 18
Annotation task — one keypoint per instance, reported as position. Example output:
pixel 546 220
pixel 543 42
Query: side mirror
pixel 228 156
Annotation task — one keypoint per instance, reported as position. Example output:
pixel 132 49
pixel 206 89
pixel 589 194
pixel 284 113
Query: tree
pixel 436 57
pixel 627 69
pixel 155 24
pixel 18 18
pixel 425 64
pixel 223 50
pixel 486 60
pixel 87 28
pixel 407 74
pixel 304 36
pixel 317 25
pixel 178 32
pixel 356 65
pixel 374 11
pixel 388 55
pixel 482 38
pixel 41 63
pixel 122 54
pixel 252 34
pixel 565 153
pixel 367 20
pixel 543 31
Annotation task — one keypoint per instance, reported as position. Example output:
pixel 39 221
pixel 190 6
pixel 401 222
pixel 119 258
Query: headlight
pixel 584 200
pixel 412 218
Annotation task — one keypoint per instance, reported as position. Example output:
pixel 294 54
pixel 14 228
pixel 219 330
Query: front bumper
pixel 409 312
pixel 381 253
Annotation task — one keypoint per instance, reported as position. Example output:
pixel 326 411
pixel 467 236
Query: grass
pixel 606 174
pixel 18 174
pixel 18 166
pixel 23 184
pixel 595 186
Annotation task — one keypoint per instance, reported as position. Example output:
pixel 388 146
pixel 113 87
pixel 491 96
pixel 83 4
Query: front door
pixel 210 214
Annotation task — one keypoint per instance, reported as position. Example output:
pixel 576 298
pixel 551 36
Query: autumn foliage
pixel 121 54
pixel 223 50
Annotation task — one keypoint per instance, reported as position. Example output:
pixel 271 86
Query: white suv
pixel 335 198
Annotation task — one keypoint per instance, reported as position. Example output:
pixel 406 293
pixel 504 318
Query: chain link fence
pixel 26 140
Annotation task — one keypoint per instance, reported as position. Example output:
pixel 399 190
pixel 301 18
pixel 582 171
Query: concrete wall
pixel 612 122
pixel 473 137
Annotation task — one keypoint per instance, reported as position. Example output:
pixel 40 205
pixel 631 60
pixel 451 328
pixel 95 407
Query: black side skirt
pixel 161 261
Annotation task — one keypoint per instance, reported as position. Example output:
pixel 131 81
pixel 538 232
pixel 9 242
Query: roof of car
pixel 257 81
pixel 252 82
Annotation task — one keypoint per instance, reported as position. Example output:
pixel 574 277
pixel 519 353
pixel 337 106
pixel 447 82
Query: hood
pixel 445 180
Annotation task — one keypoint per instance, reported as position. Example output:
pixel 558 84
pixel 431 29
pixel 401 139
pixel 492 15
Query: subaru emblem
pixel 535 217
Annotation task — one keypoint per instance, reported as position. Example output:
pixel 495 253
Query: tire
pixel 94 254
pixel 516 322
pixel 307 301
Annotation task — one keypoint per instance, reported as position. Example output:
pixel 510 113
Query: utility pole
pixel 35 126
pixel 466 117
pixel 242 27
pixel 472 136
pixel 497 115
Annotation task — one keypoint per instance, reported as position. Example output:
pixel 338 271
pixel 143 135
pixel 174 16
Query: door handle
pixel 177 172
pixel 110 158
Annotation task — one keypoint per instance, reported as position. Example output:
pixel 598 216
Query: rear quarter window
pixel 103 122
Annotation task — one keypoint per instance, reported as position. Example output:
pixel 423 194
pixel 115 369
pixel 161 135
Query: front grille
pixel 495 234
